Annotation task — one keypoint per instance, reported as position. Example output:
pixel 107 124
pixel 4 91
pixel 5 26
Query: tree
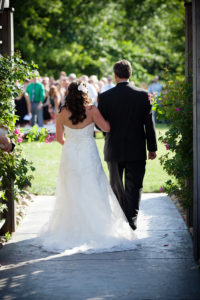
pixel 84 36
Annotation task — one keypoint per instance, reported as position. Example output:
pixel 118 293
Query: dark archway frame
pixel 193 71
pixel 192 74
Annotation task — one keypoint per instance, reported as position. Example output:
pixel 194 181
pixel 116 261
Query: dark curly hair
pixel 76 102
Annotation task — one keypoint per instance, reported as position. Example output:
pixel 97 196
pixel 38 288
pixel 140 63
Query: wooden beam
pixel 10 215
pixel 196 123
pixel 7 32
pixel 7 48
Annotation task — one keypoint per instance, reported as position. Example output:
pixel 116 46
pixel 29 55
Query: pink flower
pixel 161 189
pixel 19 140
pixel 167 146
pixel 178 109
pixel 21 134
pixel 149 96
pixel 17 131
pixel 165 142
pixel 50 138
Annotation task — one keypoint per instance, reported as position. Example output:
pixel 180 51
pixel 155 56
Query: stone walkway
pixel 162 267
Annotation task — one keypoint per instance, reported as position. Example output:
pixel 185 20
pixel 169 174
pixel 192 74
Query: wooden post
pixel 188 41
pixel 188 77
pixel 7 32
pixel 10 214
pixel 7 48
pixel 196 123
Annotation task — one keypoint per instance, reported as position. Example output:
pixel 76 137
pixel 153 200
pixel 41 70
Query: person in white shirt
pixel 72 77
pixel 108 86
pixel 92 92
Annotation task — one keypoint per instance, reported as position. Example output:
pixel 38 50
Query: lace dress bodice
pixel 74 134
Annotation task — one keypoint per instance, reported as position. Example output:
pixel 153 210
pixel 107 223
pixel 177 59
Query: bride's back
pixel 65 114
pixel 78 112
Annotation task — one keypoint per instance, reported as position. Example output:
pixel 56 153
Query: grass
pixel 46 157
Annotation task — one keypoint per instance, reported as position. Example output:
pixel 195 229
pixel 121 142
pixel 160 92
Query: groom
pixel 129 111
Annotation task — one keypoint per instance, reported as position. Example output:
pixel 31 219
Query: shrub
pixel 14 167
pixel 176 110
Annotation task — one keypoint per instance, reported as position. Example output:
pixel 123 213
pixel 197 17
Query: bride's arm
pixel 99 120
pixel 59 132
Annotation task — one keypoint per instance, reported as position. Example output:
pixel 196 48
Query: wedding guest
pixel 94 78
pixel 62 74
pixel 92 92
pixel 64 83
pixel 155 88
pixel 104 80
pixel 22 109
pixel 84 78
pixel 26 83
pixel 100 86
pixel 51 81
pixel 62 91
pixel 46 107
pixel 45 82
pixel 54 101
pixel 72 77
pixel 109 85
pixel 36 94
pixel 94 81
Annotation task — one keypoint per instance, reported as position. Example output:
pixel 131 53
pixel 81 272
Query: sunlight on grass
pixel 46 157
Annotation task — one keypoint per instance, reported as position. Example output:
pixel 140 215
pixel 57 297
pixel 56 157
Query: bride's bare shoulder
pixel 63 110
pixel 63 114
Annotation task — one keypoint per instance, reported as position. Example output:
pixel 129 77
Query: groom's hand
pixel 152 155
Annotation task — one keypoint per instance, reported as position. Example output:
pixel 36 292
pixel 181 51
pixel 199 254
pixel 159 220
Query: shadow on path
pixel 162 267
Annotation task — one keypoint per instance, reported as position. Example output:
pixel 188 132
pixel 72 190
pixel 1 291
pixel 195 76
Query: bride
pixel 87 217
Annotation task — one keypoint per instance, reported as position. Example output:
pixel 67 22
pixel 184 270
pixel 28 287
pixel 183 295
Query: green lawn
pixel 45 158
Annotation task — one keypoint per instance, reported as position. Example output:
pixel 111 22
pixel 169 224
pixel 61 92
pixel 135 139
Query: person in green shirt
pixel 36 94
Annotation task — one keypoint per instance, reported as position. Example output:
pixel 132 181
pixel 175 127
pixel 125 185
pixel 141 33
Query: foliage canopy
pixel 84 36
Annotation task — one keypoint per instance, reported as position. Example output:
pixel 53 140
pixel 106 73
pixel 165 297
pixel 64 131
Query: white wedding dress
pixel 87 217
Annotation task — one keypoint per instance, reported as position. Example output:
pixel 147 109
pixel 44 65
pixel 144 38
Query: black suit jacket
pixel 129 112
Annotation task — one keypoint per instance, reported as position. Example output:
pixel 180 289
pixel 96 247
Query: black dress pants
pixel 129 192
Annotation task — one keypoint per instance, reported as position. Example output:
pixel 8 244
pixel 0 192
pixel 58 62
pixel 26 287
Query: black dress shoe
pixel 133 223
pixel 133 226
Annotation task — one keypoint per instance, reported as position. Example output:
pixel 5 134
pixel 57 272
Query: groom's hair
pixel 123 69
